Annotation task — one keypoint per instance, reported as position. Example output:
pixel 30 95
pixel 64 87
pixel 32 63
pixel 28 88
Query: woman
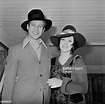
pixel 68 80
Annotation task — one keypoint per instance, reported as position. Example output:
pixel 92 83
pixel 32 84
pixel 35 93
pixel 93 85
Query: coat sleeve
pixel 79 83
pixel 54 51
pixel 10 75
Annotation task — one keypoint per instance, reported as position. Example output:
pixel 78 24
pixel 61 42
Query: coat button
pixel 40 75
pixel 16 78
pixel 41 89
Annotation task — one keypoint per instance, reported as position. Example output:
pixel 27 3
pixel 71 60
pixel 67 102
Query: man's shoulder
pixel 17 46
pixel 51 47
pixel 54 51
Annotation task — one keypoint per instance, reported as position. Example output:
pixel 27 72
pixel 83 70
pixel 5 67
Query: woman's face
pixel 66 43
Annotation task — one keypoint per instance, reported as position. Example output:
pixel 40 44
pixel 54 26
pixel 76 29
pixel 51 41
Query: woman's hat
pixel 70 27
pixel 79 38
pixel 36 14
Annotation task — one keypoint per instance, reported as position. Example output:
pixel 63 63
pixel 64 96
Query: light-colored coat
pixel 26 76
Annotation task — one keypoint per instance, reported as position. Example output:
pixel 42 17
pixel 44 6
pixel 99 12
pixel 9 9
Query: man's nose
pixel 36 28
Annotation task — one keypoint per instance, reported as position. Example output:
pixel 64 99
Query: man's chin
pixel 36 37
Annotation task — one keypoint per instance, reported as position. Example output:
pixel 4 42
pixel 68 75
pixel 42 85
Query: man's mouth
pixel 36 33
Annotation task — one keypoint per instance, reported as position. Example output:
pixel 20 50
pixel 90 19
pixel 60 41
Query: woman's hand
pixel 54 82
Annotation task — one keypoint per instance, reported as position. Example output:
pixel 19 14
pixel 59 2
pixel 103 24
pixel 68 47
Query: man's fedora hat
pixel 36 14
pixel 79 38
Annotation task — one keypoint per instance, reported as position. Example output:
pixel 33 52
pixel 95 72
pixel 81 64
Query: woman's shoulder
pixel 78 59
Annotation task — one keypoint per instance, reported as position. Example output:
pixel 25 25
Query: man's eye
pixel 33 25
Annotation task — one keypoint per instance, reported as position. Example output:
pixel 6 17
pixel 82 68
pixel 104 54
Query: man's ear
pixel 43 29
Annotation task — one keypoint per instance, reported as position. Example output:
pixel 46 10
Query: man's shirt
pixel 36 45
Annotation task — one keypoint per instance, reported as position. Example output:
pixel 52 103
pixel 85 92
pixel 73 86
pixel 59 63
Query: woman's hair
pixel 75 45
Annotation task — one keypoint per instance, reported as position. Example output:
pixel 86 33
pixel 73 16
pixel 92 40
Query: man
pixel 28 64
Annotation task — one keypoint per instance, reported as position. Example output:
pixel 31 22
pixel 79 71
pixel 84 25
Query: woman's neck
pixel 65 54
pixel 64 57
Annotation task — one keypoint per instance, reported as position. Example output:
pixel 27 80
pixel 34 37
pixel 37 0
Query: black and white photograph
pixel 52 52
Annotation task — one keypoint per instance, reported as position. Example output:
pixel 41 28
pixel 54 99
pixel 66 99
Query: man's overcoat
pixel 26 75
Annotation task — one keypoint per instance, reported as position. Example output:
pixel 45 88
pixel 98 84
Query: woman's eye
pixel 40 26
pixel 62 39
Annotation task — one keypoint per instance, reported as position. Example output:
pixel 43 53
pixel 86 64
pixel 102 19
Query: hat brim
pixel 80 39
pixel 47 26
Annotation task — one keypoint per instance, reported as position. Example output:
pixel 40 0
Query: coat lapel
pixel 31 51
pixel 42 53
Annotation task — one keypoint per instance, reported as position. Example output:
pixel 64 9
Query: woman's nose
pixel 65 43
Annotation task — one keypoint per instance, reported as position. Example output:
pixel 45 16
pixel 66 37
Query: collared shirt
pixel 36 45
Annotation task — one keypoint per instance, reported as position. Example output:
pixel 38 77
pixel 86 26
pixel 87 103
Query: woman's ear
pixel 27 26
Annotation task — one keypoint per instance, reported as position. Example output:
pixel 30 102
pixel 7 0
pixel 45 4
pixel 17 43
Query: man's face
pixel 36 28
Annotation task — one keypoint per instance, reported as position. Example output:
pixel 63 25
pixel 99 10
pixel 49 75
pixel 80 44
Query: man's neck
pixel 34 40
